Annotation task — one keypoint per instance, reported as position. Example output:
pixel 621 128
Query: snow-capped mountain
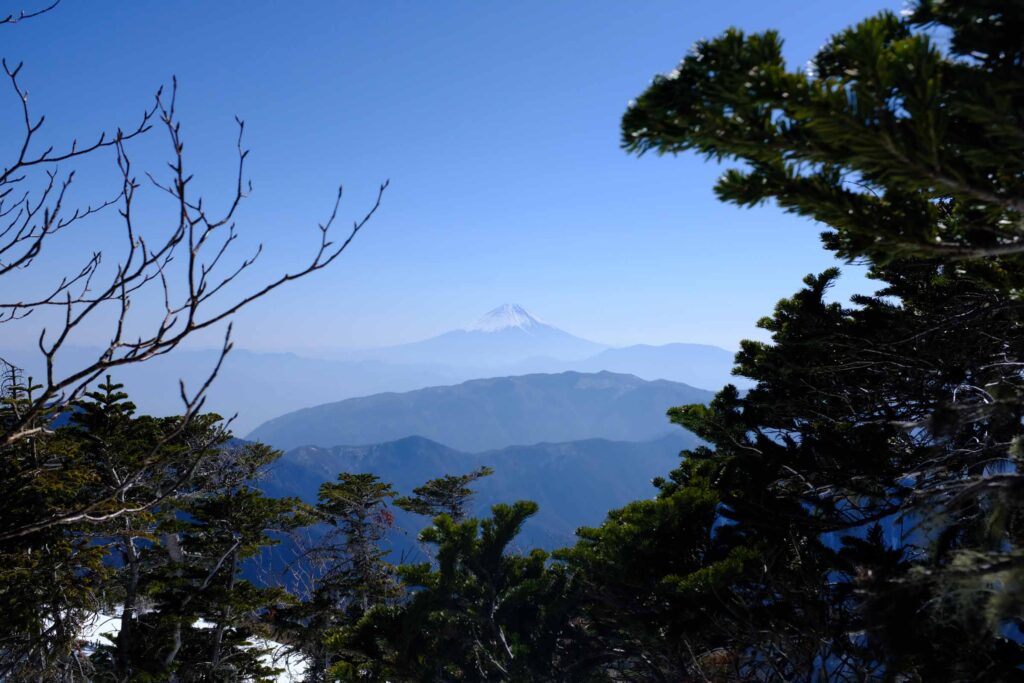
pixel 505 335
pixel 508 340
pixel 504 317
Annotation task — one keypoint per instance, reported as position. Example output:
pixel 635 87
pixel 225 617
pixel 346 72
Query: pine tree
pixel 120 447
pixel 130 480
pixel 815 531
pixel 205 615
pixel 350 573
pixel 50 578
pixel 448 495
pixel 168 519
pixel 864 523
pixel 482 614
pixel 896 146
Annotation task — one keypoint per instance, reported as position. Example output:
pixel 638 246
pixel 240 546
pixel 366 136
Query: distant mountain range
pixel 504 336
pixel 699 365
pixel 575 484
pixel 506 341
pixel 493 413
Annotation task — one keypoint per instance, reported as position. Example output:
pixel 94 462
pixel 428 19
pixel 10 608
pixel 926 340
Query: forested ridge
pixel 854 516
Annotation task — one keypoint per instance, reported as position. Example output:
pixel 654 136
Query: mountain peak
pixel 504 317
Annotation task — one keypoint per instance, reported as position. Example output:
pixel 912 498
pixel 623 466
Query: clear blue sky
pixel 498 125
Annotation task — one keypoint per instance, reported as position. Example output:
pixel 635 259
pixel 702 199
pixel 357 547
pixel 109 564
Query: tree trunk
pixel 129 611
pixel 177 557
pixel 218 636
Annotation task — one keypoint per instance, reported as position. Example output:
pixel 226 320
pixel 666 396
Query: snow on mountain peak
pixel 504 317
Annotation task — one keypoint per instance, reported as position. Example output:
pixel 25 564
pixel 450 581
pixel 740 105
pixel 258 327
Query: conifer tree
pixel 55 500
pixel 146 471
pixel 448 495
pixel 201 617
pixel 864 526
pixel 482 614
pixel 350 572
pixel 50 580
pixel 897 146
pixel 112 439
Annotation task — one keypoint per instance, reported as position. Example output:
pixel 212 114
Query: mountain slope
pixel 493 413
pixel 574 483
pixel 700 365
pixel 506 341
pixel 505 335
pixel 256 386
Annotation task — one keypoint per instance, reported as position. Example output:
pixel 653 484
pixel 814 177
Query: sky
pixel 497 124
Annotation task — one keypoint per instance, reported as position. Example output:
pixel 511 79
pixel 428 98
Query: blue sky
pixel 497 124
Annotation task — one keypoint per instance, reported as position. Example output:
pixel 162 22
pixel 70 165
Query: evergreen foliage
pixel 832 524
pixel 448 495
pixel 898 147
pixel 865 527
pixel 49 579
pixel 482 613
pixel 348 574
pixel 855 516
pixel 169 570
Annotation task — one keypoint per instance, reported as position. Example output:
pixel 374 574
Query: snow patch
pixel 505 317
pixel 102 629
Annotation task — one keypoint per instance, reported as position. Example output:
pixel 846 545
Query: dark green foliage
pixel 480 614
pixel 147 518
pixel 649 577
pixel 603 475
pixel 73 497
pixel 850 514
pixel 216 534
pixel 839 505
pixel 355 506
pixel 860 515
pixel 898 148
pixel 49 578
pixel 345 571
pixel 447 495
pixel 855 516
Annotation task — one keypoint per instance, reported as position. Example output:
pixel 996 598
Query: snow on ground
pixel 103 628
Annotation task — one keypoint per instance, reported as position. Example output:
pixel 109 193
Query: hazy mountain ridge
pixel 699 365
pixel 255 385
pixel 504 335
pixel 605 475
pixel 507 341
pixel 493 413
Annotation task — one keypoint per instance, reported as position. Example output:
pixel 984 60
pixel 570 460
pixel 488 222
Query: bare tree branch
pixel 23 15
pixel 188 267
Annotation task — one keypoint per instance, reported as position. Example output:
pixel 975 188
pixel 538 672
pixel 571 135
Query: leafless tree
pixel 188 267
